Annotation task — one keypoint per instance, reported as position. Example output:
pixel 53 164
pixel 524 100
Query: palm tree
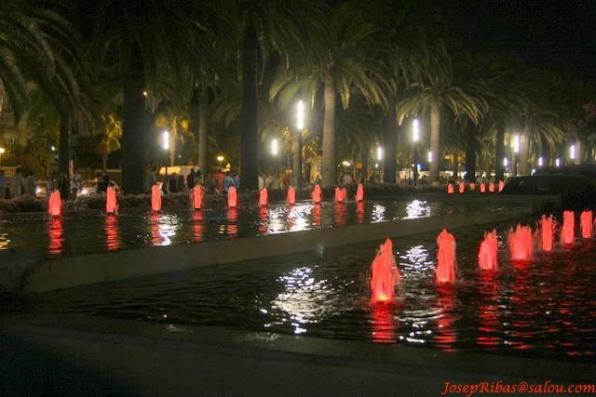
pixel 438 91
pixel 110 139
pixel 167 117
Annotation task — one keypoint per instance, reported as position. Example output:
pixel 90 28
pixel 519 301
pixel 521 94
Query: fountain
pixel 263 197
pixel 445 336
pixel 197 226
pixel 232 197
pixel 111 201
pixel 112 239
pixel 317 194
pixel 291 196
pixel 587 223
pixel 156 237
pixel 155 198
pixel 55 234
pixel 385 275
pixel 501 185
pixel 487 256
pixel 316 215
pixel 547 232
pixel 340 214
pixel 383 323
pixel 472 186
pixel 568 228
pixel 520 243
pixel 450 188
pixel 340 194
pixel 196 196
pixel 55 204
pixel 360 212
pixel 491 187
pixel 445 271
pixel 483 187
pixel 462 187
pixel 232 217
pixel 360 193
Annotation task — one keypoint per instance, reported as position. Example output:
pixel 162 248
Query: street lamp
pixel 430 156
pixel 274 147
pixel 2 151
pixel 572 152
pixel 297 166
pixel 415 139
pixel 219 159
pixel 515 152
pixel 557 162
pixel 540 161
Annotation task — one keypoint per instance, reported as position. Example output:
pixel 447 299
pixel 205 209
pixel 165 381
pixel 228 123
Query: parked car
pixel 576 191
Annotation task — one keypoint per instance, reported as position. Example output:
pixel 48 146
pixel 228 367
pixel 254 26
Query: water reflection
pixel 383 323
pixel 445 332
pixel 4 241
pixel 298 217
pixel 232 226
pixel 360 212
pixel 56 235
pixel 378 213
pixel 340 214
pixel 263 220
pixel 417 209
pixel 488 311
pixel 112 233
pixel 304 300
pixel 197 226
pixel 316 214
pixel 156 238
pixel 163 228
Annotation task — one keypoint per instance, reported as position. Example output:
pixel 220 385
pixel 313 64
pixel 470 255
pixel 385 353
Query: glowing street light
pixel 430 156
pixel 53 148
pixel 300 115
pixel 379 153
pixel 165 140
pixel 2 151
pixel 540 161
pixel 557 162
pixel 346 163
pixel 219 158
pixel 572 152
pixel 505 162
pixel 516 144
pixel 274 147
pixel 415 130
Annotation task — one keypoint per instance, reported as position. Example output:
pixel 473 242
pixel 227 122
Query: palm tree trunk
pixel 133 123
pixel 104 161
pixel 390 141
pixel 499 153
pixel 297 160
pixel 64 154
pixel 524 153
pixel 328 163
pixel 203 132
pixel 471 147
pixel 173 140
pixel 435 121
pixel 249 139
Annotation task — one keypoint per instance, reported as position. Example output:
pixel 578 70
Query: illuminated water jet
pixel 155 198
pixel 445 271
pixel 568 228
pixel 520 243
pixel 450 188
pixel 232 197
pixel 55 204
pixel 316 194
pixel 263 197
pixel 385 275
pixel 196 196
pixel 487 255
pixel 547 233
pixel 587 224
pixel 360 192
pixel 291 198
pixel 111 201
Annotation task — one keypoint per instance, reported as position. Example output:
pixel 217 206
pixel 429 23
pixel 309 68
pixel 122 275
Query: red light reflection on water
pixel 263 220
pixel 316 214
pixel 232 217
pixel 197 226
pixel 156 237
pixel 445 332
pixel 568 228
pixel 112 233
pixel 56 236
pixel 383 323
pixel 488 311
pixel 340 213
pixel 360 212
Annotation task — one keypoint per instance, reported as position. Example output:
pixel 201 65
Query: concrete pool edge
pixel 106 344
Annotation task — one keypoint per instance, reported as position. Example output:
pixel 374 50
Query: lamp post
pixel 415 139
pixel 515 154
pixel 297 160
pixel 2 151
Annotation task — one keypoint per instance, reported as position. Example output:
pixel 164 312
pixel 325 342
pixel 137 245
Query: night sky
pixel 554 35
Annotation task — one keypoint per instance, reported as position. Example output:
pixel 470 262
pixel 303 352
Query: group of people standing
pixel 18 185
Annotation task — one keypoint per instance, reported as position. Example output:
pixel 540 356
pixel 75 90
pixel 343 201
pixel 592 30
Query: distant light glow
pixel 516 144
pixel 274 146
pixel 430 156
pixel 145 93
pixel 505 162
pixel 53 148
pixel 418 167
pixel 540 161
pixel 415 130
pixel 165 140
pixel 572 152
pixel 557 162
pixel 346 163
pixel 379 153
pixel 300 115
pixel 2 150
pixel 376 165
pixel 220 158
pixel 533 171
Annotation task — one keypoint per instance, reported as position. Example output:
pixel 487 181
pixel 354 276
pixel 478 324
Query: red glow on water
pixel 360 192
pixel 197 226
pixel 462 187
pixel 488 312
pixel 340 214
pixel 587 224
pixel 55 204
pixel 112 233
pixel 385 274
pixel 445 334
pixel 501 185
pixel 482 187
pixel 360 212
pixel 56 236
pixel 291 196
pixel 383 323
pixel 520 243
pixel 450 188
pixel 111 201
pixel 487 256
pixel 232 197
pixel 445 271
pixel 263 198
pixel 263 220
pixel 316 215
pixel 547 232
pixel 568 228
pixel 155 198
pixel 156 237
pixel 232 217
pixel 196 197
pixel 317 195
pixel 491 187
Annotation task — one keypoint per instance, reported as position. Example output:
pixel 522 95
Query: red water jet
pixel 472 186
pixel 445 271
pixel 385 275
pixel 155 198
pixel 568 228
pixel 450 188
pixel 462 187
pixel 232 197
pixel 263 197
pixel 55 204
pixel 491 187
pixel 487 256
pixel 196 197
pixel 547 233
pixel 316 194
pixel 340 194
pixel 111 201
pixel 291 196
pixel 587 224
pixel 482 187
pixel 520 243
pixel 360 192
pixel 501 185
